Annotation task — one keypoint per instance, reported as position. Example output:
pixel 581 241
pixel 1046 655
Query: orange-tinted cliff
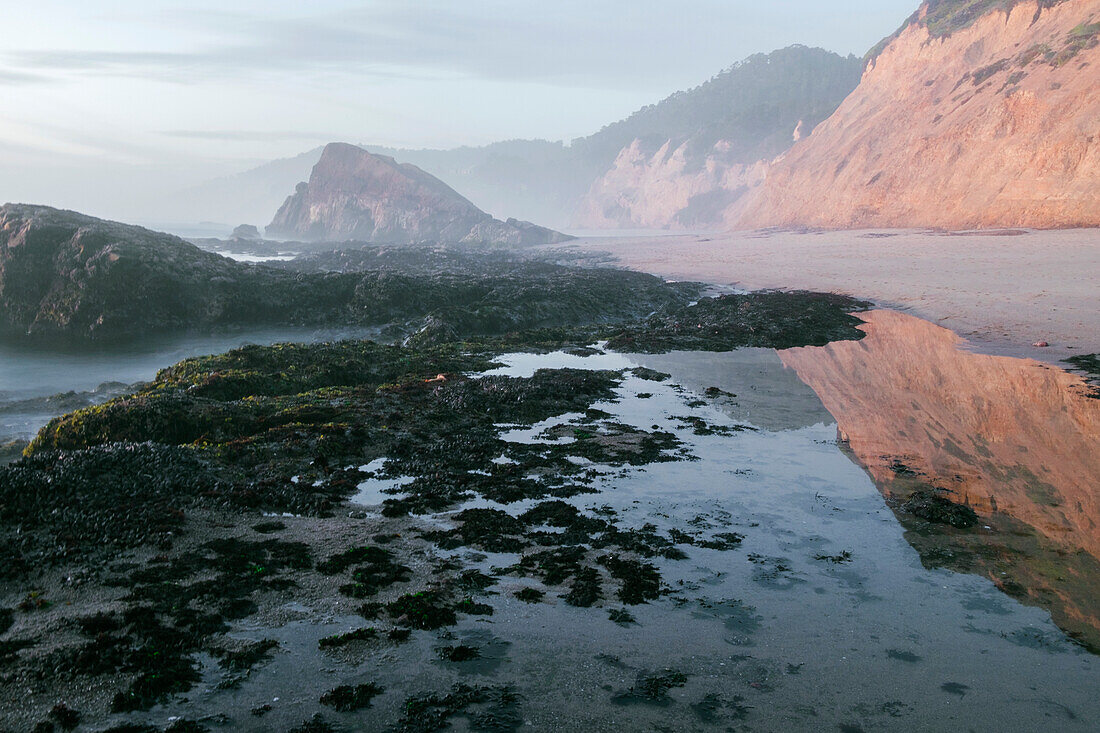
pixel 993 124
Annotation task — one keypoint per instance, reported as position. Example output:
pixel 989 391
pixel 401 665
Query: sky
pixel 103 102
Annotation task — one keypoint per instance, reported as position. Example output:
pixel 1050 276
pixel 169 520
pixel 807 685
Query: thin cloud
pixel 570 42
pixel 246 135
pixel 10 77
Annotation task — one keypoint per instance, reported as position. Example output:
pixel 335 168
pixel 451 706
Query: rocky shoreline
pixel 236 470
pixel 72 278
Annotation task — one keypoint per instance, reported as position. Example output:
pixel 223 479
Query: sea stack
pixel 356 195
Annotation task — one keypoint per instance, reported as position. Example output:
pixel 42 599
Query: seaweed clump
pixel 530 595
pixel 933 506
pixel 425 610
pixel 1089 364
pixel 168 619
pixel 65 716
pixel 486 708
pixel 59 506
pixel 338 640
pixel 348 698
pixel 652 688
pixel 774 319
pixel 376 569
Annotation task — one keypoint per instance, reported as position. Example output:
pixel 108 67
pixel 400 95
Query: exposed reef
pixel 200 454
pixel 72 277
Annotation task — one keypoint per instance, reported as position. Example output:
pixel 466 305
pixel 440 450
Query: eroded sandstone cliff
pixel 666 190
pixel 959 122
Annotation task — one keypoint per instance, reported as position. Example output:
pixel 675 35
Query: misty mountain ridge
pixel 754 105
pixel 748 147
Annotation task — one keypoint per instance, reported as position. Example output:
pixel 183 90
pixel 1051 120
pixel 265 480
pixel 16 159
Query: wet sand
pixel 1002 291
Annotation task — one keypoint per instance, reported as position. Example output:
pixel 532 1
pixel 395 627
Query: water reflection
pixel 1017 440
pixel 756 388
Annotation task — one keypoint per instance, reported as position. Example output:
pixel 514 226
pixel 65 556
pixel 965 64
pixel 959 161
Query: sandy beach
pixel 1003 291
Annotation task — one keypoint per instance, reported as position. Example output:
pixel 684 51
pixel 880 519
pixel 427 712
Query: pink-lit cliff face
pixel 995 124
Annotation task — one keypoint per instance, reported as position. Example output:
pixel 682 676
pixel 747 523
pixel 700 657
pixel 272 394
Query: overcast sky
pixel 157 90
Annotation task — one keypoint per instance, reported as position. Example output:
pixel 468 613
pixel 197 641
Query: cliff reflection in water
pixel 1017 440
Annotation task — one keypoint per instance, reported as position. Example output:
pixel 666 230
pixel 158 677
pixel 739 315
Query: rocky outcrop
pixel 356 195
pixel 972 116
pixel 513 232
pixel 691 160
pixel 246 233
pixel 63 273
pixel 68 276
pixel 74 277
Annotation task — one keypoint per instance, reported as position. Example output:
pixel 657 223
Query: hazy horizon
pixel 111 110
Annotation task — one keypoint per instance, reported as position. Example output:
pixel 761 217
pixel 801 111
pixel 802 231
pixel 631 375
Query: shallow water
pixel 1016 439
pixel 374 490
pixel 824 618
pixel 245 257
pixel 30 371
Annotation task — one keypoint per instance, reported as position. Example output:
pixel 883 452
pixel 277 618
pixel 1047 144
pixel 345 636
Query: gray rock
pixel 356 195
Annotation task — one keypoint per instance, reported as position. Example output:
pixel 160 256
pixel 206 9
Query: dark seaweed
pixel 347 698
pixel 933 506
pixel 651 689
pixel 486 709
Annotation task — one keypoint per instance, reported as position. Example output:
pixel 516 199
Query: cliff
pixel 356 195
pixel 973 115
pixel 690 160
pixel 666 189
